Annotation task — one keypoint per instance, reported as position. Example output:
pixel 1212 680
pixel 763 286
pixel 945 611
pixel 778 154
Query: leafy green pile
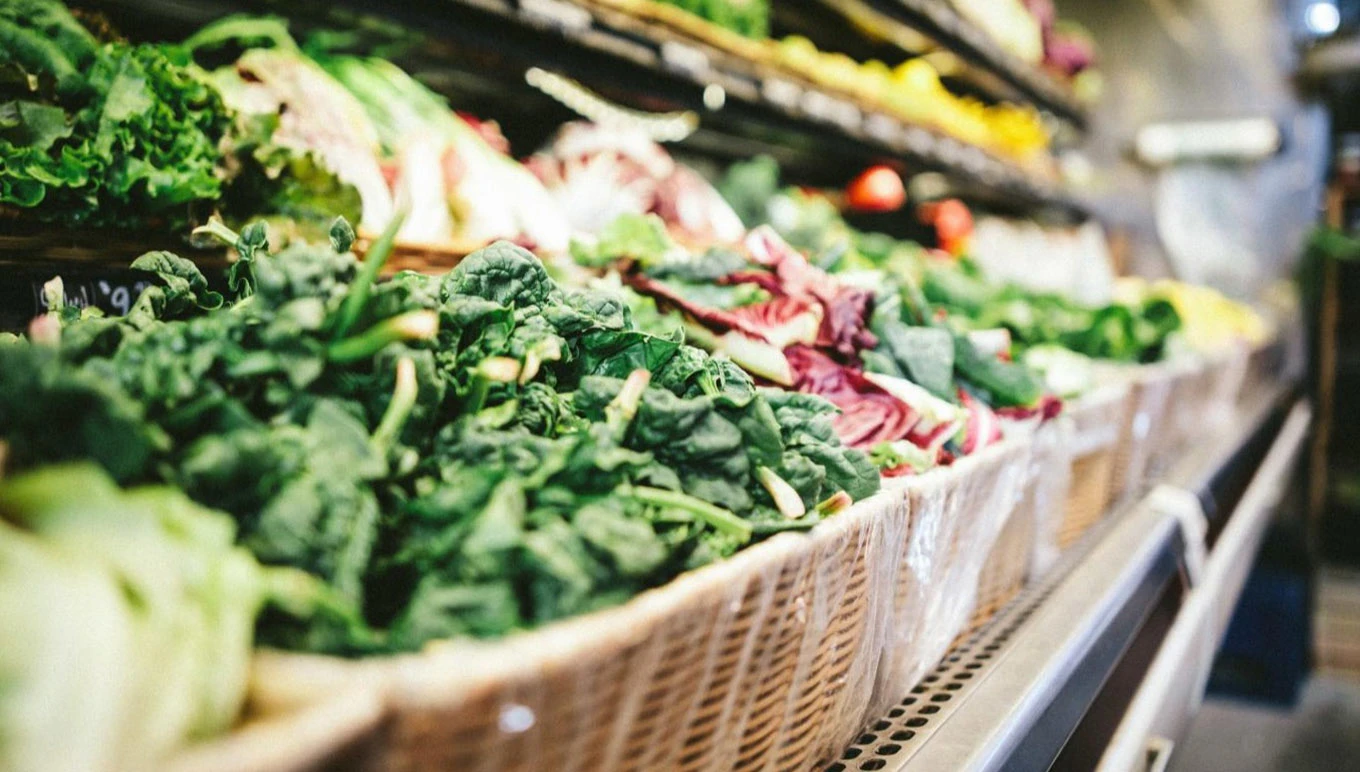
pixel 101 134
pixel 465 455
pixel 1131 332
pixel 912 342
pixel 750 18
pixel 1128 332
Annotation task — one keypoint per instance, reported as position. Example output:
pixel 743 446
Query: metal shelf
pixel 496 41
pixel 1174 683
pixel 938 19
pixel 1051 680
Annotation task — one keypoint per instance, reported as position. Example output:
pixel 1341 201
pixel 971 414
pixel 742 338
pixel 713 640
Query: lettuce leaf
pixel 110 135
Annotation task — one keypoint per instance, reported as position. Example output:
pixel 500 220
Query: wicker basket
pixel 432 259
pixel 336 731
pixel 1150 395
pixel 1027 546
pixel 1007 568
pixel 1097 424
pixel 1263 366
pixel 957 516
pixel 771 660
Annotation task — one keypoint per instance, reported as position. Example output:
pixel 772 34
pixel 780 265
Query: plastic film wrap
pixel 1097 422
pixel 1006 568
pixel 1046 491
pixel 957 514
pixel 1144 426
pixel 1189 409
pixel 1043 489
pixel 1263 365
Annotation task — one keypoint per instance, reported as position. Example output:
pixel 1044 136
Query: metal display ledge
pixel 1102 663
pixel 759 109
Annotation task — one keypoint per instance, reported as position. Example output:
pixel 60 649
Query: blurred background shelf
pixel 969 57
pixel 479 51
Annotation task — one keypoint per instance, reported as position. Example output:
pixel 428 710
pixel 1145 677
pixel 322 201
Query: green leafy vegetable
pixel 101 135
pixel 465 455
pixel 128 620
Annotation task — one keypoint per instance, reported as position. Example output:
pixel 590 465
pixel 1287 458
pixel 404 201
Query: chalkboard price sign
pixel 112 296
pixel 112 290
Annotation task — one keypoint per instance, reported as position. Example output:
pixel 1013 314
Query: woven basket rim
pixel 458 670
pixel 294 739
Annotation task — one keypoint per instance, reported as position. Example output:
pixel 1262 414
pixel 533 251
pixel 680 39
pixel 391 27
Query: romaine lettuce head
pixel 127 618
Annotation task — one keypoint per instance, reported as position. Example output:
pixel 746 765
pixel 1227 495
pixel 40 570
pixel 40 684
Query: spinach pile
pixel 461 455
pixel 101 134
pixel 917 343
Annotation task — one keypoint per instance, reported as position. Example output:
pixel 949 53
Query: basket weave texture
pixel 771 660
pixel 958 514
pixel 1006 569
pixel 1027 545
pixel 1097 421
pixel 1150 395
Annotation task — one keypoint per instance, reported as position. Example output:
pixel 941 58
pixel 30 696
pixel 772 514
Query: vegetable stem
pixel 404 394
pixel 412 325
pixel 218 230
pixel 490 370
pixel 548 351
pixel 837 502
pixel 620 411
pixel 786 499
pixel 499 369
pixel 720 519
pixel 362 286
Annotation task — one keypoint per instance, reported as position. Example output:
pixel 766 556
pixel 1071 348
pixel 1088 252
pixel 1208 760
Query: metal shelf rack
pixel 938 19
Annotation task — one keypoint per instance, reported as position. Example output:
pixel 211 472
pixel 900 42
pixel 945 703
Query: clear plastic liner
pixel 1097 421
pixel 1029 534
pixel 1230 382
pixel 1146 428
pixel 957 514
pixel 771 660
pixel 1045 494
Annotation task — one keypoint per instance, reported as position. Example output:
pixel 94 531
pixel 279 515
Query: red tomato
pixel 953 223
pixel 877 189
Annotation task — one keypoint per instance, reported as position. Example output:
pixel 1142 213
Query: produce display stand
pixel 1095 664
pixel 1071 600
